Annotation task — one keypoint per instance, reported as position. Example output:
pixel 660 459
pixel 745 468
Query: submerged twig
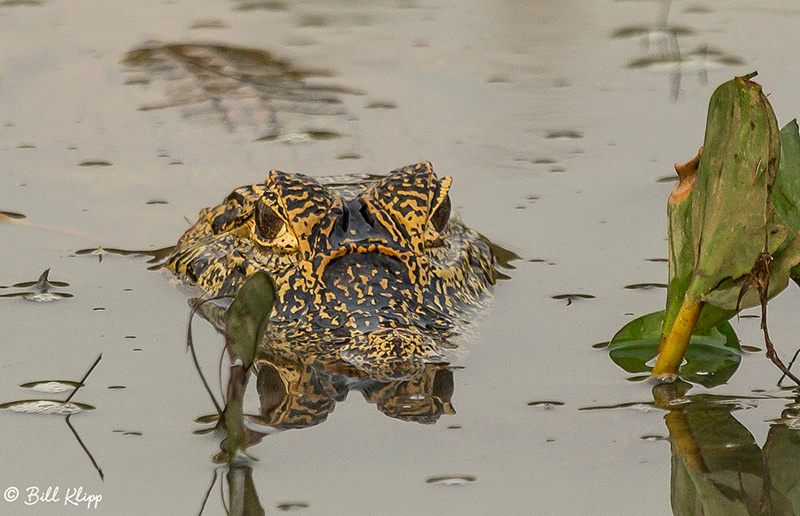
pixel 190 347
pixel 85 376
pixel 85 449
pixel 208 493
pixel 791 363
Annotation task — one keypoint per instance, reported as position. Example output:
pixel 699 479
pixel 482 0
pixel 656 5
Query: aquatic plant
pixel 733 223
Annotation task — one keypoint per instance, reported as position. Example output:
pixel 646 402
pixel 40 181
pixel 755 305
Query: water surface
pixel 558 122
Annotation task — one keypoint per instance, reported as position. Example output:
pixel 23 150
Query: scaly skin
pixel 375 273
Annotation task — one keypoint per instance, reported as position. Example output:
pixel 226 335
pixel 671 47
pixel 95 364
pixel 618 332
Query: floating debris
pixel 261 5
pixel 572 297
pixel 95 163
pixel 210 23
pixel 156 201
pixel 43 282
pixel 349 155
pixel 640 406
pixel 451 480
pixel 699 60
pixel 12 215
pixel 48 407
pixel 51 386
pixel 566 134
pixel 155 254
pixel 22 3
pixel 40 290
pixel 645 286
pixel 498 79
pixel 652 33
pixel 26 146
pixel 547 405
pixel 381 104
pixel 292 506
pixel 601 345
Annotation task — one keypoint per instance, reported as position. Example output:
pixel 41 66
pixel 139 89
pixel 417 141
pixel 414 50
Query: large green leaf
pixel 786 191
pixel 732 214
pixel 711 359
pixel 248 315
pixel 682 256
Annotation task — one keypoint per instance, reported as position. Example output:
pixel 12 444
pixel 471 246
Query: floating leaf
pixel 711 359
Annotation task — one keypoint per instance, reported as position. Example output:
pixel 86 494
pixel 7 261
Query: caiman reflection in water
pixel 373 278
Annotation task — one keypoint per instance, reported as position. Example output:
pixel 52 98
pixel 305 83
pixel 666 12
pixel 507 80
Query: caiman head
pixel 368 271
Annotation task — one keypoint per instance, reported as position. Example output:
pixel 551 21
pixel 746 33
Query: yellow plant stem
pixel 674 347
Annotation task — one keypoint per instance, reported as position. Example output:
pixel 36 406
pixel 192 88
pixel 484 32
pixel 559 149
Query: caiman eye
pixel 441 215
pixel 268 224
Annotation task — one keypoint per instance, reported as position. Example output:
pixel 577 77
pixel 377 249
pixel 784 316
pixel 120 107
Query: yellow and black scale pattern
pixel 376 272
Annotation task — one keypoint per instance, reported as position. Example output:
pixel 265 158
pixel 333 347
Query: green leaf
pixel 711 359
pixel 248 315
pixel 786 191
pixel 731 212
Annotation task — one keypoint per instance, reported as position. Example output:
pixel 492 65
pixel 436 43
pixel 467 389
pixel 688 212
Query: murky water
pixel 559 122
